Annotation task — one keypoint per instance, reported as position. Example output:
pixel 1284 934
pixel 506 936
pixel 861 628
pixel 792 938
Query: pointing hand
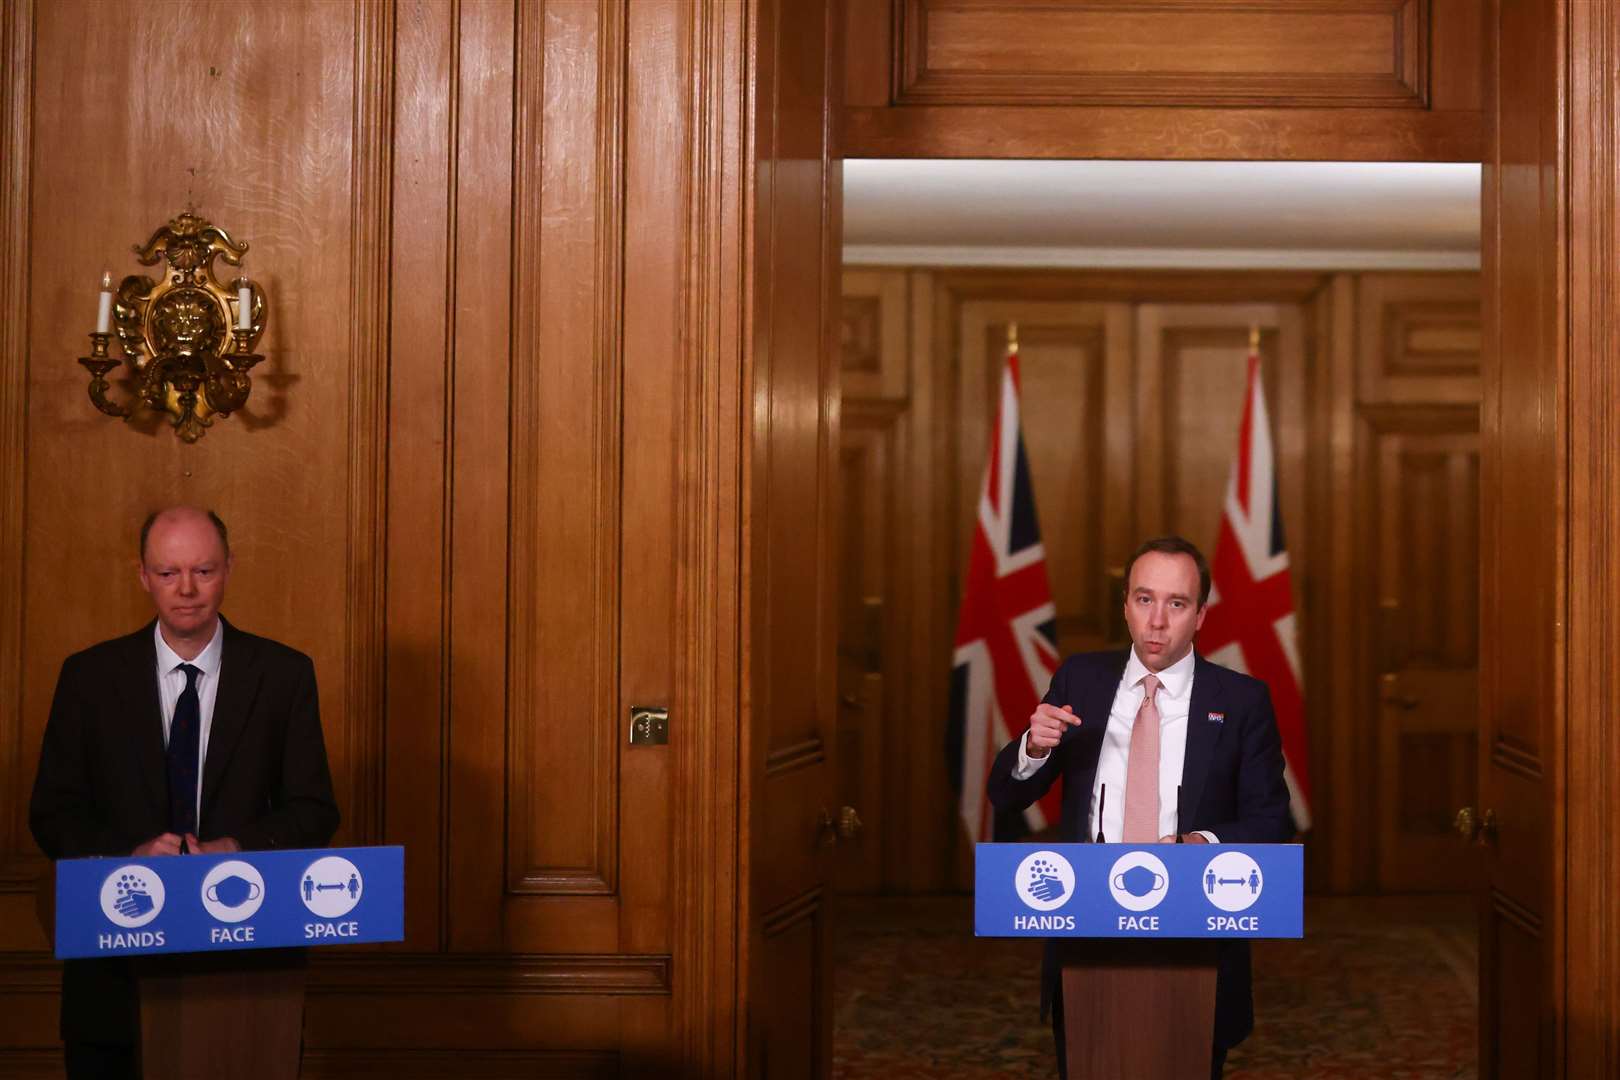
pixel 1046 727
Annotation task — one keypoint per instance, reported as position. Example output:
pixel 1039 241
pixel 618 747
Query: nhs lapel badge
pixel 1217 718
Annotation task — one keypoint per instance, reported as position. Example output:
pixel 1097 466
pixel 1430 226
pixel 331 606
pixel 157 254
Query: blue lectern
pixel 216 942
pixel 1139 995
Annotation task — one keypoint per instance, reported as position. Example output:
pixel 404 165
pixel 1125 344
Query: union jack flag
pixel 1250 625
pixel 1006 640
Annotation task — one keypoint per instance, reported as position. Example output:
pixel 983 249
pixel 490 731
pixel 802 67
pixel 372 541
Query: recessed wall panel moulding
pixel 1396 80
pixel 1371 54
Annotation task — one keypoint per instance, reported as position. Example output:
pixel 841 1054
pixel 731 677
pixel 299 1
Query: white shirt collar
pixel 206 661
pixel 1174 680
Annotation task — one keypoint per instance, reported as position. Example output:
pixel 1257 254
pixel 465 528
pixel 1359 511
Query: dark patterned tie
pixel 183 739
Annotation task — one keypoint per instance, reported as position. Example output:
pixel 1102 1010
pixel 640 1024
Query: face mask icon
pixel 232 891
pixel 1139 881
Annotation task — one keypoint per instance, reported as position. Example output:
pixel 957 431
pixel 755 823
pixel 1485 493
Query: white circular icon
pixel 1232 881
pixel 233 891
pixel 1044 880
pixel 331 886
pixel 1138 881
pixel 132 896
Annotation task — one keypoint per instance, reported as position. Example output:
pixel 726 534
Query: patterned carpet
pixel 1380 986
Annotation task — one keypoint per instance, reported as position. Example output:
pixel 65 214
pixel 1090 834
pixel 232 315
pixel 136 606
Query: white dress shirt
pixel 172 683
pixel 1174 701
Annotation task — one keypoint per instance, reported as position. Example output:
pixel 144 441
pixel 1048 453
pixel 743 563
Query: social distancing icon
pixel 1232 881
pixel 330 887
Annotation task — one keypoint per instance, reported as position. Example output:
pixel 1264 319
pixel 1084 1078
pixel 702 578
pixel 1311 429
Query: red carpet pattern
pixel 1380 987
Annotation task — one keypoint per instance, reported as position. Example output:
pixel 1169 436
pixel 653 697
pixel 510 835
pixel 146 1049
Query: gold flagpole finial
pixel 1254 337
pixel 1012 337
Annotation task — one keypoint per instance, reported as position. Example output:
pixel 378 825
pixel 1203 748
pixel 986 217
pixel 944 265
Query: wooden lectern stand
pixel 211 1015
pixel 1142 1009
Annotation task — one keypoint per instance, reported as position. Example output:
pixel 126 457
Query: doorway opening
pixel 1135 287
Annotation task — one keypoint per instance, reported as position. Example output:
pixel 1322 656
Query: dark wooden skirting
pixel 553 974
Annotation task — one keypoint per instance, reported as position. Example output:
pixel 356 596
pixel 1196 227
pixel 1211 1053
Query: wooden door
pixel 873 528
pixel 1420 515
pixel 1523 531
pixel 790 518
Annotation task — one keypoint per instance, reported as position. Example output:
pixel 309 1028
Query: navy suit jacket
pixel 102 785
pixel 1231 785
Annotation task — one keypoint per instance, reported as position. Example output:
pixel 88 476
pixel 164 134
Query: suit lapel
pixel 239 676
pixel 1202 735
pixel 138 685
pixel 1095 706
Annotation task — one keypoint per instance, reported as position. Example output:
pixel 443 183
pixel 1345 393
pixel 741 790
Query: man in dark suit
pixel 188 735
pixel 1127 731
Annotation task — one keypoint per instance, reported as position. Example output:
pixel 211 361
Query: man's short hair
pixel 1174 545
pixel 213 518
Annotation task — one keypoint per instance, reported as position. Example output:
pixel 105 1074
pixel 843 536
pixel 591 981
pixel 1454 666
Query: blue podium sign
pixel 244 900
pixel 1142 890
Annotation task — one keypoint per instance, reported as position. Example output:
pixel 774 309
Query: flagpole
pixel 1254 337
pixel 1012 338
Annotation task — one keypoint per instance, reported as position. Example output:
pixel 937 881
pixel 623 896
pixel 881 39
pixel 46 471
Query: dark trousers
pixel 1217 1061
pixel 101 1061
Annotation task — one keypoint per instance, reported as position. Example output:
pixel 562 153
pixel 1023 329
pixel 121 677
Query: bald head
pixel 182 514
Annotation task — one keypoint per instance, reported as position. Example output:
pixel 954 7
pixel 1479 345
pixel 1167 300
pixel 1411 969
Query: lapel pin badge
pixel 1217 718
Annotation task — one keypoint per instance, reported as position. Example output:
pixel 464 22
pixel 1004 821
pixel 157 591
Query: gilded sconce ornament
pixel 188 339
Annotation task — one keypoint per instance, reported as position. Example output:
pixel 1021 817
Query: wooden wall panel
pixel 1267 55
pixel 89 480
pixel 1131 401
pixel 1332 80
pixel 791 535
pixel 489 479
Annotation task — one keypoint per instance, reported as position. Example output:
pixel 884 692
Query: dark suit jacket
pixel 102 785
pixel 1231 785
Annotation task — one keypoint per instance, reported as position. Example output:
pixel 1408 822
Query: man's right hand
pixel 1046 726
pixel 166 844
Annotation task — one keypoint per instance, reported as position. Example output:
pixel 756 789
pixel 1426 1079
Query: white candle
pixel 244 306
pixel 104 304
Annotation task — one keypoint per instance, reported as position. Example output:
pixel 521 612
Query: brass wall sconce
pixel 189 339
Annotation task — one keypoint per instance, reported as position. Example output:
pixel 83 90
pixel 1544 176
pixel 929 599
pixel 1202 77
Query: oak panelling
pixel 1532 540
pixel 371 229
pixel 566 368
pixel 1168 351
pixel 18 861
pixel 1592 750
pixel 1372 53
pixel 872 319
pixel 1341 857
pixel 1373 80
pixel 1074 363
pixel 646 61
pixel 1419 338
pixel 1420 513
pixel 478 438
pixel 290 190
pixel 795 948
pixel 1191 371
pixel 871 696
pixel 790 531
pixel 416 769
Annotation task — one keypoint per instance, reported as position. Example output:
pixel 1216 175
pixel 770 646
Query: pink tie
pixel 1142 771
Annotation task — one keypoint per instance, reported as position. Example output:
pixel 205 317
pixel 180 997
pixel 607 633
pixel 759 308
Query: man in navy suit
pixel 1152 742
pixel 188 735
